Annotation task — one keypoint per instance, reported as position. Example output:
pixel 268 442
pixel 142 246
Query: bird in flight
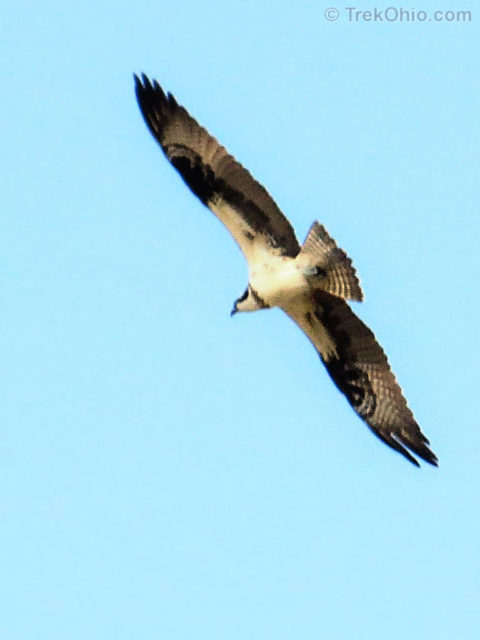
pixel 310 282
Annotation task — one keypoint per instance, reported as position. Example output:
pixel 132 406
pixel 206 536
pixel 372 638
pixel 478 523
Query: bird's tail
pixel 329 266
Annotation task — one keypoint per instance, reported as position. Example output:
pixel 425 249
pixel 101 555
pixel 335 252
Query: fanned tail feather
pixel 334 269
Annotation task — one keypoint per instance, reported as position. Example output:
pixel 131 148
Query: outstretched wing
pixel 360 369
pixel 214 176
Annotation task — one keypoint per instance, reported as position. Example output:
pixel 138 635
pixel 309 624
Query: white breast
pixel 276 279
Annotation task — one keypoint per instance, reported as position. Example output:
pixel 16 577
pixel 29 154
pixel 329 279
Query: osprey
pixel 311 283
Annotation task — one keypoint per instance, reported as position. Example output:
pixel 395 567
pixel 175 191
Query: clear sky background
pixel 167 471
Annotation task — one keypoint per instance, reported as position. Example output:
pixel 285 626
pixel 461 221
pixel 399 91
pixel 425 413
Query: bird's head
pixel 248 301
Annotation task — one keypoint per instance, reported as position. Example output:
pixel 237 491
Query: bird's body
pixel 277 280
pixel 311 283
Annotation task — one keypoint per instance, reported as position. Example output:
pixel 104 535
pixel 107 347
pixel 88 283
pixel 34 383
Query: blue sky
pixel 170 472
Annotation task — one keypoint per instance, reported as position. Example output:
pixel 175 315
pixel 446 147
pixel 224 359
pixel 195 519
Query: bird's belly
pixel 278 283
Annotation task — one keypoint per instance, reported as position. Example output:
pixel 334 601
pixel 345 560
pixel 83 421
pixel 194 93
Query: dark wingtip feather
pixel 144 85
pixel 419 448
pixel 151 96
pixel 398 446
pixel 430 457
pixel 155 106
pixel 418 443
pixel 141 82
pixel 411 458
pixel 171 99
